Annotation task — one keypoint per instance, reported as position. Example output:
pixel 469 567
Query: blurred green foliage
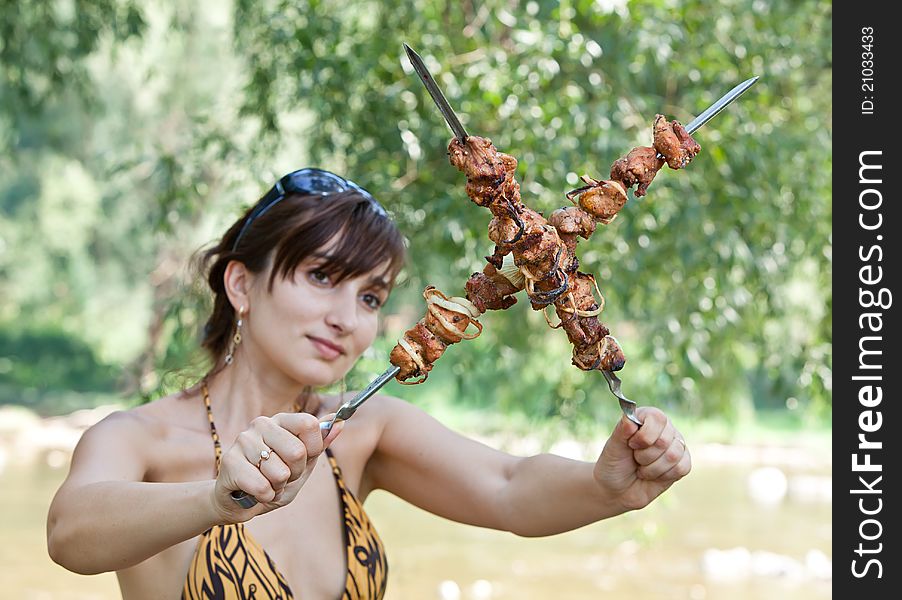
pixel 130 141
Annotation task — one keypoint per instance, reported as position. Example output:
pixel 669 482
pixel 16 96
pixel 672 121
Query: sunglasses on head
pixel 309 182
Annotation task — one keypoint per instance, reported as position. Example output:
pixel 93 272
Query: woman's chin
pixel 321 378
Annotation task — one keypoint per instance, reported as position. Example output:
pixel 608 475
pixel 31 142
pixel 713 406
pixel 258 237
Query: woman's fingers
pixel 274 452
pixel 291 452
pixel 651 453
pixel 307 430
pixel 653 423
pixel 247 477
pixel 658 447
pixel 673 463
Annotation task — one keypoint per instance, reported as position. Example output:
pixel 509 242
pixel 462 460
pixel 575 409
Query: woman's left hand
pixel 639 463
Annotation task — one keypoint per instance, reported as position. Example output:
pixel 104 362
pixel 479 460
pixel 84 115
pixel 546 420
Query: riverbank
pixel 751 522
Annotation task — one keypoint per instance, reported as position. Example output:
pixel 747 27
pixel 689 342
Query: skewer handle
pixel 626 405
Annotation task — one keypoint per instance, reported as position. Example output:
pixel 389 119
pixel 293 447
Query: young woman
pixel 298 282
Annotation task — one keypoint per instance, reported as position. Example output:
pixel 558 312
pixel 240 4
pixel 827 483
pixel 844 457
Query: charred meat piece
pixel 572 220
pixel 478 159
pixel 483 193
pixel 549 290
pixel 638 167
pixel 587 356
pixel 488 294
pixel 502 230
pixel 504 285
pixel 674 143
pixel 605 355
pixel 600 199
pixel 430 346
pixel 578 312
pixel 437 319
pixel 496 259
pixel 540 253
pixel 404 360
pixel 612 357
pixel 582 286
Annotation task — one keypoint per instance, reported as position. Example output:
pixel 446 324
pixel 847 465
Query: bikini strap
pixel 217 447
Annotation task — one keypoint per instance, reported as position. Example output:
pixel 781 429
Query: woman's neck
pixel 239 394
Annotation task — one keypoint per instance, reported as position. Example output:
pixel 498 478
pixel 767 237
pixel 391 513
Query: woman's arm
pixel 104 518
pixel 425 463
pixel 549 494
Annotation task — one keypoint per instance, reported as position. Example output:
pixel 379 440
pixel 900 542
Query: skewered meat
pixel 489 290
pixel 571 222
pixel 536 245
pixel 606 355
pixel 603 199
pixel 639 166
pixel 578 312
pixel 674 143
pixel 446 322
pixel 545 252
pixel 536 253
pixel 600 199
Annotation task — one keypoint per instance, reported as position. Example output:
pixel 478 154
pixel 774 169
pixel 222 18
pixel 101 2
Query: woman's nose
pixel 342 313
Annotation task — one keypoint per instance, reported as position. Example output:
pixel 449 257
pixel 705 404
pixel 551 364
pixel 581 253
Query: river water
pixel 747 524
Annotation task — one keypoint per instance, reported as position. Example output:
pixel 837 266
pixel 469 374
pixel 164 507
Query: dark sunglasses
pixel 310 182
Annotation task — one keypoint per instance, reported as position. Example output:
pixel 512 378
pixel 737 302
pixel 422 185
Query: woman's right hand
pixel 294 442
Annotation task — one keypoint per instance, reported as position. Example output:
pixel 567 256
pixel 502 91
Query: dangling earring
pixel 236 339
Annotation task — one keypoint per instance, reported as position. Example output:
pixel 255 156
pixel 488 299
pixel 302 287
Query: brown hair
pixel 294 229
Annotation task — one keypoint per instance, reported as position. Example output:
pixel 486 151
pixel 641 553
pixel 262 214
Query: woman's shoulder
pixel 150 436
pixel 146 423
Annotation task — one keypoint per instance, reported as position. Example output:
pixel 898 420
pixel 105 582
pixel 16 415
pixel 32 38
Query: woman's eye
pixel 319 276
pixel 372 301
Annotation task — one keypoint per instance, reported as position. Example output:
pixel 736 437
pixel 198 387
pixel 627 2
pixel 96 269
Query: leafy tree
pixel 718 283
pixel 136 137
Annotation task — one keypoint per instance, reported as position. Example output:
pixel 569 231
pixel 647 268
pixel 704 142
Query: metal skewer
pixel 626 405
pixel 348 408
pixel 420 67
pixel 721 104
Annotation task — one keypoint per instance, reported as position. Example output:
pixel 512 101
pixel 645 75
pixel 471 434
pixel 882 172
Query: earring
pixel 236 339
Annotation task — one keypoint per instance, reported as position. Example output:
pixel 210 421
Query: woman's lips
pixel 326 348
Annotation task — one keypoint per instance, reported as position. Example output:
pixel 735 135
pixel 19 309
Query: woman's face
pixel 313 329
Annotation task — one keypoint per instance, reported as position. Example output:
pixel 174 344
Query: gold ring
pixel 264 455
